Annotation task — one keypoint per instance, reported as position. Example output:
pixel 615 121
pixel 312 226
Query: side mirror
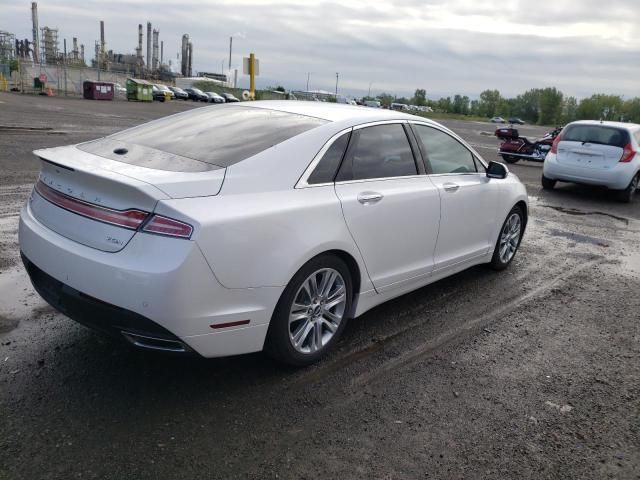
pixel 497 170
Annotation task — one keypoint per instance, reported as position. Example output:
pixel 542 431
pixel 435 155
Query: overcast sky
pixel 444 46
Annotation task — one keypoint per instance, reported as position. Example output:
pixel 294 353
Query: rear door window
pixel 598 134
pixel 381 151
pixel 215 136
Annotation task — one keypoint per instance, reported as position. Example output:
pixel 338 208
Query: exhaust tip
pixel 155 343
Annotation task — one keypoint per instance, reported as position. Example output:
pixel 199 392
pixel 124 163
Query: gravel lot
pixel 528 373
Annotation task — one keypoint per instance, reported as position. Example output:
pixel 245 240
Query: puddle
pixel 575 211
pixel 578 237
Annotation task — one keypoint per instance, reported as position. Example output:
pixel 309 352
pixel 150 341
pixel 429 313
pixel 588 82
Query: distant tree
pixel 489 101
pixel 460 105
pixel 445 105
pixel 386 99
pixel 420 97
pixel 600 106
pixel 631 110
pixel 550 106
pixel 569 110
pixel 404 100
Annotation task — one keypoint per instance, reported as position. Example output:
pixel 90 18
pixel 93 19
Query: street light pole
pixel 308 75
pixel 369 94
pixel 337 75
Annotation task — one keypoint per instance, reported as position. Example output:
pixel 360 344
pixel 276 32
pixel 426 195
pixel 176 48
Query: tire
pixel 501 258
pixel 300 336
pixel 547 183
pixel 510 159
pixel 626 195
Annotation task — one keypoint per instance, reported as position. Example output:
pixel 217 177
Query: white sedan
pixel 232 229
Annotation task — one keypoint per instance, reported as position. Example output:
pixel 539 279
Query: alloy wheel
pixel 318 309
pixel 510 237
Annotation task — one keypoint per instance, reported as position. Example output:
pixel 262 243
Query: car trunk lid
pixel 592 146
pixel 100 202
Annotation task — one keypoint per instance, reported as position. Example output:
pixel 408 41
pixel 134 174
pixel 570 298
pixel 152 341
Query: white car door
pixel 390 206
pixel 468 198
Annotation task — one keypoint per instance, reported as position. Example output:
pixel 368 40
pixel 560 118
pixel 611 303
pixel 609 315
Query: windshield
pixel 216 136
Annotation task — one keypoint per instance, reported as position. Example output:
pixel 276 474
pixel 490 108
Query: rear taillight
pixel 627 153
pixel 554 145
pixel 168 226
pixel 130 219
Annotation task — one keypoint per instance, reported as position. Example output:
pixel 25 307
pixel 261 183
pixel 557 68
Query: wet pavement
pixel 527 373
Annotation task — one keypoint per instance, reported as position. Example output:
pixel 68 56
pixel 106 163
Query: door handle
pixel 451 187
pixel 368 198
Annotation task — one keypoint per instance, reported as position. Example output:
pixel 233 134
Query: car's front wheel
pixel 509 239
pixel 628 193
pixel 311 313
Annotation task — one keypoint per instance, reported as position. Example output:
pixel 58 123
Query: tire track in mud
pixel 470 327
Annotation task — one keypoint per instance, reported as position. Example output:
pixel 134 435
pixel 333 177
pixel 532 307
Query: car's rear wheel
pixel 509 239
pixel 311 313
pixel 548 183
pixel 628 193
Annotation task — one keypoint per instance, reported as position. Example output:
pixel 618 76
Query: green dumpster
pixel 139 90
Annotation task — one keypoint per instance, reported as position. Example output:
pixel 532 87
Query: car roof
pixel 606 123
pixel 332 112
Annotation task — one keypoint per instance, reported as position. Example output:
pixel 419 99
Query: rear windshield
pixel 204 138
pixel 599 134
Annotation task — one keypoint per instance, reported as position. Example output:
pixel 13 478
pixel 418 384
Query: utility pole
pixel 308 75
pixel 230 48
pixel 337 75
pixel 64 62
pixel 369 94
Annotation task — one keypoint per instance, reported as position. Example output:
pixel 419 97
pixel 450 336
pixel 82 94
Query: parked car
pixel 214 97
pixel 497 120
pixel 516 121
pixel 161 92
pixel 596 153
pixel 179 93
pixel 229 97
pixel 197 95
pixel 372 104
pixel 158 234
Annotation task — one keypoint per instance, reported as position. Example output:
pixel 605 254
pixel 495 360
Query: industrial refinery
pixel 48 47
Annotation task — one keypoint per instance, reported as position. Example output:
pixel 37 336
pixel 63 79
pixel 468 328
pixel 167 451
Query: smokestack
pixel 184 54
pixel 75 49
pixel 82 52
pixel 161 52
pixel 149 45
pixel 190 54
pixel 154 61
pixel 102 59
pixel 36 32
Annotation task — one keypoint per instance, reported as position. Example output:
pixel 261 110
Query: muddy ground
pixel 528 373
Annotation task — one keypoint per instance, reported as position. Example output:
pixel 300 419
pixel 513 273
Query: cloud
pixel 446 47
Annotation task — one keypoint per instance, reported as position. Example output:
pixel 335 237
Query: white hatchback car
pixel 596 153
pixel 229 229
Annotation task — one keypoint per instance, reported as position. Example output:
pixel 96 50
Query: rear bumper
pixel 156 285
pixel 615 178
pixel 104 317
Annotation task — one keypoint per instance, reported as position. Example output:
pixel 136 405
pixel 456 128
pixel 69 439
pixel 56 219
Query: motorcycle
pixel 514 147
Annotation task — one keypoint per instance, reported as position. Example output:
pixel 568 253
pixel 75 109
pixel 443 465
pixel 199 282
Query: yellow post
pixel 252 75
